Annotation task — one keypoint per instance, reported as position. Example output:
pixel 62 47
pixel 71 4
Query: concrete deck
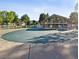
pixel 13 50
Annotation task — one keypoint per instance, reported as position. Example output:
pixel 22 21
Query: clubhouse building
pixel 56 22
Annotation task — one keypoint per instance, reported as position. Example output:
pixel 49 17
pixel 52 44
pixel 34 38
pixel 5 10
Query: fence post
pixel 29 51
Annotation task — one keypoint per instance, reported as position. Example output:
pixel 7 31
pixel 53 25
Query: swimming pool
pixel 37 36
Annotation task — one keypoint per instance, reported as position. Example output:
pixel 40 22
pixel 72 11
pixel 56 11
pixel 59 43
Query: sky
pixel 33 8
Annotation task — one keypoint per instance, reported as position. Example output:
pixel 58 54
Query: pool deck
pixel 13 50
